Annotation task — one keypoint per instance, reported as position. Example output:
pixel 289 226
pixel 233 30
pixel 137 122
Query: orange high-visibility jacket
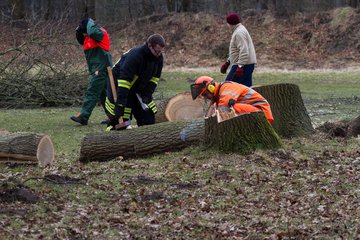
pixel 247 99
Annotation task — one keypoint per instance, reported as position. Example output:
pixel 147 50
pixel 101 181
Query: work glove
pixel 224 67
pixel 239 71
pixel 231 102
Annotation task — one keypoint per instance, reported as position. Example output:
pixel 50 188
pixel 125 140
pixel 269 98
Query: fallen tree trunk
pixel 142 141
pixel 241 134
pixel 290 116
pixel 30 148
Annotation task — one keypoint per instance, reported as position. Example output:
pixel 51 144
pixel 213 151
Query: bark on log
pixel 290 116
pixel 30 148
pixel 142 141
pixel 160 115
pixel 179 107
pixel 242 134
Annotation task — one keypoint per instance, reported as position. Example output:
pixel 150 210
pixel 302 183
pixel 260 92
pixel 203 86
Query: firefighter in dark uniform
pixel 96 44
pixel 136 77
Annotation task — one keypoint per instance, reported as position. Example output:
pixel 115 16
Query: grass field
pixel 308 189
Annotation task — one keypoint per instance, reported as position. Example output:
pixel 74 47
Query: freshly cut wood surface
pixel 25 147
pixel 183 107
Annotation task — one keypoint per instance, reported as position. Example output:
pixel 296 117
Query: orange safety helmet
pixel 202 84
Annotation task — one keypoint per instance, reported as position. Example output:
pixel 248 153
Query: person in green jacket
pixel 96 44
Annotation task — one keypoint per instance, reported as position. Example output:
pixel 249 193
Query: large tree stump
pixel 30 148
pixel 142 141
pixel 290 116
pixel 242 134
pixel 179 107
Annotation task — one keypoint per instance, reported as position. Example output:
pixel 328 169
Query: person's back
pixel 242 56
pixel 228 94
pixel 96 45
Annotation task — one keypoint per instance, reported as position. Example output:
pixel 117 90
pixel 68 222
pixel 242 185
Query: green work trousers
pixel 95 92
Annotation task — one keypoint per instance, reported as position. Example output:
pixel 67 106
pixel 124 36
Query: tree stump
pixel 142 141
pixel 29 148
pixel 242 134
pixel 290 116
pixel 179 107
pixel 353 129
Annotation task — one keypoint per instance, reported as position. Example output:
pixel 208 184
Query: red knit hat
pixel 233 18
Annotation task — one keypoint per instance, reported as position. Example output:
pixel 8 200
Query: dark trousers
pixel 245 79
pixel 142 117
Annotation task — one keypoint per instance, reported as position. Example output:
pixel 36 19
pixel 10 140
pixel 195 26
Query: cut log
pixel 142 141
pixel 30 148
pixel 241 134
pixel 179 107
pixel 183 107
pixel 3 131
pixel 290 116
pixel 160 115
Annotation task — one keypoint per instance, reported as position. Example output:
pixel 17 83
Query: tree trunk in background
pixel 129 10
pixel 290 116
pixel 30 148
pixel 18 9
pixel 354 3
pixel 142 141
pixel 242 134
pixel 90 9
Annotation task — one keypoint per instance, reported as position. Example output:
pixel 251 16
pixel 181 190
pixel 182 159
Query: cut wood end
pixel 3 131
pixel 182 107
pixel 45 152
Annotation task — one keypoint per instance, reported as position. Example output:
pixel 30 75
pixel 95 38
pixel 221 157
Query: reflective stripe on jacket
pixel 139 71
pixel 242 95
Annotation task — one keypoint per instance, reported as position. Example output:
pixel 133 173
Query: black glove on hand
pixel 119 111
pixel 231 102
pixel 224 67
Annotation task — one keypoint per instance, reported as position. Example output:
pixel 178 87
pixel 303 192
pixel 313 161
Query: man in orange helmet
pixel 228 94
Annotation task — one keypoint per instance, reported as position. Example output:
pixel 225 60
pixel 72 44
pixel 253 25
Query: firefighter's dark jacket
pixel 138 71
